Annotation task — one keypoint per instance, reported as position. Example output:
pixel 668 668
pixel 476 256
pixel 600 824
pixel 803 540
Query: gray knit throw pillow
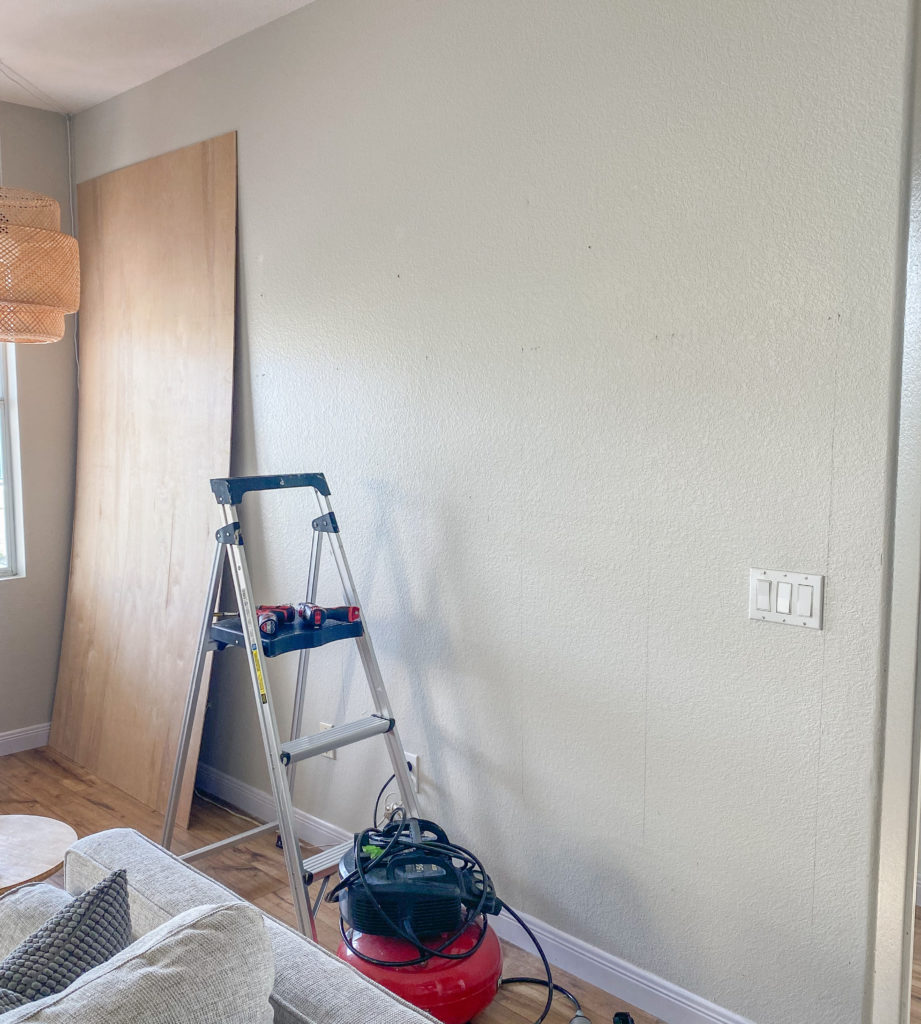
pixel 87 932
pixel 10 1000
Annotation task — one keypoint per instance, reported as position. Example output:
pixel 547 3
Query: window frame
pixel 9 463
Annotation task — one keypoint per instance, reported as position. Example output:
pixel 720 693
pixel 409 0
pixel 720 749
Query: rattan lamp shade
pixel 39 268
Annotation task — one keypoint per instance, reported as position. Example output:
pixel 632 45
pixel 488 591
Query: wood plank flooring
pixel 44 782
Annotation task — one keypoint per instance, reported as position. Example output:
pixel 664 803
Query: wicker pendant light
pixel 39 268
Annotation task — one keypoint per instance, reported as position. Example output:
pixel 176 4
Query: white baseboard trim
pixel 29 738
pixel 623 980
pixel 260 805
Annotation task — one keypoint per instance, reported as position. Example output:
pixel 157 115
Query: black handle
pixel 230 490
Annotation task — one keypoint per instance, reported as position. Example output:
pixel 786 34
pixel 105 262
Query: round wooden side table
pixel 31 848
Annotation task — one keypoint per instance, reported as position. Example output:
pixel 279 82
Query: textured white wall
pixel 583 309
pixel 33 144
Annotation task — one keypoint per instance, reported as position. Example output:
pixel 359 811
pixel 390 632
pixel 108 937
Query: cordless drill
pixel 312 615
pixel 271 615
pixel 315 615
pixel 344 613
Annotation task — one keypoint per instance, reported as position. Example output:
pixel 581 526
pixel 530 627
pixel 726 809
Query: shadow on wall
pixel 467 695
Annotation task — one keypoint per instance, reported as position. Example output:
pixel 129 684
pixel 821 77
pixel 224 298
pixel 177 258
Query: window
pixel 8 438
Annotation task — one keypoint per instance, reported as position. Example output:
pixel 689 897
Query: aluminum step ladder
pixel 220 631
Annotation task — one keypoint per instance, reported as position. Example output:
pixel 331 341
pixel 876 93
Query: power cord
pixel 539 981
pixel 208 800
pixel 577 1018
pixel 392 840
pixel 383 789
pixel 399 843
pixel 469 862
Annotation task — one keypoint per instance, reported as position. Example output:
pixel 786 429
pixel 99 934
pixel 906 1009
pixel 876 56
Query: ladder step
pixel 333 739
pixel 326 861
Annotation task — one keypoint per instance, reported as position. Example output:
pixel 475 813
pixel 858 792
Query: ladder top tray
pixel 290 636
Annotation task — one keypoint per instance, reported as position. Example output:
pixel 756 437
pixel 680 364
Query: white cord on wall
pixel 72 198
pixel 31 88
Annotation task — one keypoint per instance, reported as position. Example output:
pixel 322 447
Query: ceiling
pixel 68 55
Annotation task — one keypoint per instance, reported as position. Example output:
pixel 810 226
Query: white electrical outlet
pixel 413 760
pixel 331 754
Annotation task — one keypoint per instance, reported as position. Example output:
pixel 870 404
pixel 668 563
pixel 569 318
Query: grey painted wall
pixel 583 311
pixel 34 152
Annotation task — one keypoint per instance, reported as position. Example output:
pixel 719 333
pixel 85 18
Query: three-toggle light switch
pixel 793 598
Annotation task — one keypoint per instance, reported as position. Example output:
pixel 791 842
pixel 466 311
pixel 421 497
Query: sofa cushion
pixel 80 936
pixel 209 965
pixel 312 986
pixel 24 910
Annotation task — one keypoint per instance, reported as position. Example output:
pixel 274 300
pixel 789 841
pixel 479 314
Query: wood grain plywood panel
pixel 158 251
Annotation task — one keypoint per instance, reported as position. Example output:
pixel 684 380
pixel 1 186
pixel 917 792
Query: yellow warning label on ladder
pixel 257 664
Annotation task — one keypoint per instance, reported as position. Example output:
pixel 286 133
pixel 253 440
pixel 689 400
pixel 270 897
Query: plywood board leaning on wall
pixel 158 251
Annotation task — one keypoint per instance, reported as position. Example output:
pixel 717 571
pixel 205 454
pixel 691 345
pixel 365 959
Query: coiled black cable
pixel 468 861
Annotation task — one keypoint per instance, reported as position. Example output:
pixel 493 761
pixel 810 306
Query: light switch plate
pixel 798 598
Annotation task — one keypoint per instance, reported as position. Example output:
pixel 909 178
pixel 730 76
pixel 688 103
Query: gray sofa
pixel 311 986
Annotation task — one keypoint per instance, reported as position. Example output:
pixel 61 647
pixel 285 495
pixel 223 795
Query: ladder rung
pixel 333 739
pixel 326 861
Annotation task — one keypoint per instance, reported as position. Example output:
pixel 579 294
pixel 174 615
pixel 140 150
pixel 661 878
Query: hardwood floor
pixel 43 782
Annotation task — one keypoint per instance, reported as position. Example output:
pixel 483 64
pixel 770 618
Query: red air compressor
pixel 413 911
pixel 413 916
pixel 452 991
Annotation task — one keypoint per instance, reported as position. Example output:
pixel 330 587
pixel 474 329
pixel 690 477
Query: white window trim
pixel 9 439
